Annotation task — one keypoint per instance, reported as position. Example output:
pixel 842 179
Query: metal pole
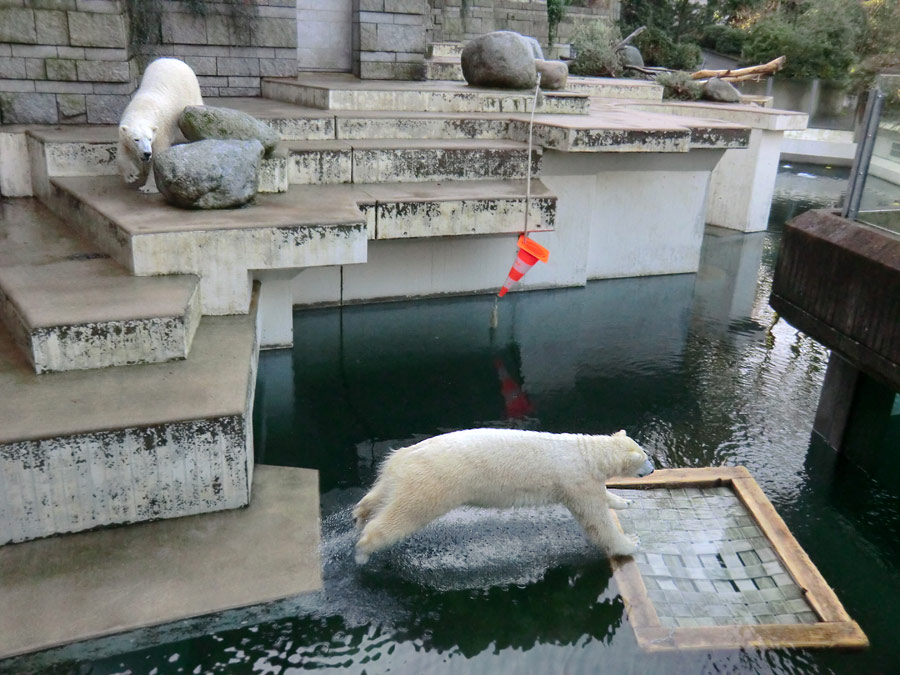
pixel 860 169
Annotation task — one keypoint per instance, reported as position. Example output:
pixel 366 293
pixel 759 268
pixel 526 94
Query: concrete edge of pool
pixel 61 590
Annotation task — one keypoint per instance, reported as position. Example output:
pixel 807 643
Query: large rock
pixel 500 59
pixel 631 56
pixel 721 91
pixel 210 174
pixel 553 73
pixel 534 45
pixel 203 122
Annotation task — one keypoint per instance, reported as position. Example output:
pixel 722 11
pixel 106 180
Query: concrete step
pixel 439 49
pixel 150 237
pixel 444 68
pixel 413 210
pixel 70 307
pixel 615 88
pixel 337 91
pixel 407 161
pixel 89 448
pixel 372 125
pixel 91 151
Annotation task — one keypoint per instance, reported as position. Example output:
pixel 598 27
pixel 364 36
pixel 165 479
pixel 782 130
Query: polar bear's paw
pixel 361 557
pixel 616 502
pixel 628 544
pixel 148 189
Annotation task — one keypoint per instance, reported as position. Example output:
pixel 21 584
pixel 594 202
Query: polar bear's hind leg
pixel 393 523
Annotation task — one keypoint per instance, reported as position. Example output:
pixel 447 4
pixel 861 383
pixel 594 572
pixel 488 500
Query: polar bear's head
pixel 627 458
pixel 139 137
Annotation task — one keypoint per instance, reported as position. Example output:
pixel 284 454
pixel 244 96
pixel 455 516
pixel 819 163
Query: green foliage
pixel 679 85
pixel 556 12
pixel 819 39
pixel 658 49
pixel 672 25
pixel 723 38
pixel 595 50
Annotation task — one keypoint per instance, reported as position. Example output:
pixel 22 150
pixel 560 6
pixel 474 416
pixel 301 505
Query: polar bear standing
pixel 500 468
pixel 150 121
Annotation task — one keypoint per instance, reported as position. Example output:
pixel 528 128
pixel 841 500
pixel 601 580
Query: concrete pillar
pixel 740 192
pixel 276 309
pixel 854 413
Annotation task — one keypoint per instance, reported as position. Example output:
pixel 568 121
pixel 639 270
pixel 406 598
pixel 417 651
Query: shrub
pixel 658 49
pixel 724 39
pixel 679 85
pixel 819 41
pixel 595 50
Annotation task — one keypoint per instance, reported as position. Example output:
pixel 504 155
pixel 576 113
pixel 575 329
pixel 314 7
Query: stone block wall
pixel 64 61
pixel 77 61
pixel 230 45
pixel 462 20
pixel 324 36
pixel 389 39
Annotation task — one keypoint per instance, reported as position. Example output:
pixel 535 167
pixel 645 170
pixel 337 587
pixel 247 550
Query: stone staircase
pixel 133 327
pixel 152 309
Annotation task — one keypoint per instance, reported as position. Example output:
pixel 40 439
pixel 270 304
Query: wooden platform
pixel 724 569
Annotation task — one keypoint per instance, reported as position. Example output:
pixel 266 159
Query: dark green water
pixel 696 367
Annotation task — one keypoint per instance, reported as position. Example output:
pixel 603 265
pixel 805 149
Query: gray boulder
pixel 721 91
pixel 534 45
pixel 209 174
pixel 631 56
pixel 553 73
pixel 203 122
pixel 501 59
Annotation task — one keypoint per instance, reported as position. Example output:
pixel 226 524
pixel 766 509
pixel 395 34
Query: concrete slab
pixel 211 383
pixel 76 587
pixel 340 91
pixel 150 237
pixel 80 309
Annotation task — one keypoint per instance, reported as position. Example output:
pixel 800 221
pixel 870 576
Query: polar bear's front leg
pixel 149 187
pixel 592 513
pixel 160 143
pixel 617 502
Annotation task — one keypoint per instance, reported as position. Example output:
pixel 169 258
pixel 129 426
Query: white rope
pixel 537 88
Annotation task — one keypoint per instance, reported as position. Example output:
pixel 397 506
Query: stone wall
pixel 64 61
pixel 462 20
pixel 77 61
pixel 231 44
pixel 389 39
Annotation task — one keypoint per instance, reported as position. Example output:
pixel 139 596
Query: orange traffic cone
pixel 529 253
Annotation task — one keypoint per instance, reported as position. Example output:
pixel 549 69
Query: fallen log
pixel 769 68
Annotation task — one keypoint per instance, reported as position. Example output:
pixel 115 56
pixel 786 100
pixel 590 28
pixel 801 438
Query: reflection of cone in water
pixel 529 253
pixel 517 403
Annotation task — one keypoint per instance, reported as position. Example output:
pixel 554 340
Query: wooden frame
pixel 835 628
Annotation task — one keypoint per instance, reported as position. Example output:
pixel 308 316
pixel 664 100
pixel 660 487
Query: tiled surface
pixel 706 563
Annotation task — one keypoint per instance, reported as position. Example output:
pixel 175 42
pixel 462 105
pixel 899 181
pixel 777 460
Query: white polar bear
pixel 500 468
pixel 150 121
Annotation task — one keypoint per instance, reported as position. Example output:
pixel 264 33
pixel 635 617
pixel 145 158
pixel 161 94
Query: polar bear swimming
pixel 500 468
pixel 150 121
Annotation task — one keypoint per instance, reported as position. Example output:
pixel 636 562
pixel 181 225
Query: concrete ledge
pixel 150 237
pixel 609 87
pixel 74 308
pixel 404 161
pixel 83 586
pixel 83 449
pixel 345 92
